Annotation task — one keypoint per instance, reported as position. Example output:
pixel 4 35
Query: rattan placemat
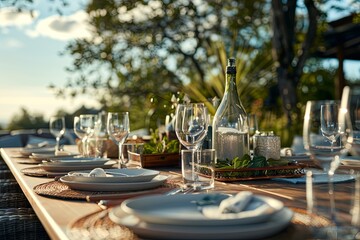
pixel 41 172
pixel 57 189
pixel 99 226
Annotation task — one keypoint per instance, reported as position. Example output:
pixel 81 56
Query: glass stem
pixel 58 144
pixel 84 146
pixel 121 160
pixel 332 197
pixel 193 165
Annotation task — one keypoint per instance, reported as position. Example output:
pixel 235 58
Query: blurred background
pixel 71 57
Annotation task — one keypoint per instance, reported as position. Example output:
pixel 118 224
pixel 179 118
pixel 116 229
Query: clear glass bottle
pixel 230 126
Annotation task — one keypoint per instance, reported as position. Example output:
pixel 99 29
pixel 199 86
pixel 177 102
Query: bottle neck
pixel 230 87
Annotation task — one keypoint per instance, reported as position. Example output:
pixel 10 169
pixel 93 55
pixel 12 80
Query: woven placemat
pixel 99 226
pixel 57 189
pixel 41 172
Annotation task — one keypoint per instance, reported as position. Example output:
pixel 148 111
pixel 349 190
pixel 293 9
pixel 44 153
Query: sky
pixel 30 60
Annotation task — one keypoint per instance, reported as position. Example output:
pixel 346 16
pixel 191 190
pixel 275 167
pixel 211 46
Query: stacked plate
pixel 115 180
pixel 27 151
pixel 39 157
pixel 66 164
pixel 183 217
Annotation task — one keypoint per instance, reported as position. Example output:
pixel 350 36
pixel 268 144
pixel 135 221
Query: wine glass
pixel 316 135
pixel 329 114
pixel 57 128
pixel 351 100
pixel 323 124
pixel 253 128
pixel 80 133
pixel 101 135
pixel 87 125
pixel 191 123
pixel 118 128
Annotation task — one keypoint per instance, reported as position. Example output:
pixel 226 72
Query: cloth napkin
pixel 237 207
pixel 318 178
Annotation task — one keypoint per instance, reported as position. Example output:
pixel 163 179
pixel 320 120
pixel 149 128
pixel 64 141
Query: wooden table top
pixel 56 214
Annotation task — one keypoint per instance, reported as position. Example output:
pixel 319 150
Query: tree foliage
pixel 146 49
pixel 143 52
pixel 27 120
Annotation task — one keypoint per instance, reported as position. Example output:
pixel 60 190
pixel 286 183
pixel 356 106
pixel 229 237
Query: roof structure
pixel 342 42
pixel 342 38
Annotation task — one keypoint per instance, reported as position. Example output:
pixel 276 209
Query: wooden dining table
pixel 56 215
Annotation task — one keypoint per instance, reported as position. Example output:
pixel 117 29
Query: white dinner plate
pixel 86 186
pixel 187 209
pixel 44 150
pixel 75 161
pixel 72 167
pixel 275 224
pixel 47 156
pixel 116 176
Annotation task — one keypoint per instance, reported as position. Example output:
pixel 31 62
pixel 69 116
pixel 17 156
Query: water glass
pixel 199 173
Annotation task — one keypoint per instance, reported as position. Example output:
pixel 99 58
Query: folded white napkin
pixel 96 172
pixel 242 205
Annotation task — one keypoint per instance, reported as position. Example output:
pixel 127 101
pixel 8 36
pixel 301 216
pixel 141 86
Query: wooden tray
pixel 241 174
pixel 155 160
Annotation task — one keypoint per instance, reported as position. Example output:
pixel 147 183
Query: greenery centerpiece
pixel 159 151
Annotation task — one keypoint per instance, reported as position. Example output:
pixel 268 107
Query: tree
pixel 289 61
pixel 26 120
pixel 150 49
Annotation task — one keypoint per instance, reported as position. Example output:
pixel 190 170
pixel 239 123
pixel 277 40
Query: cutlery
pixel 109 200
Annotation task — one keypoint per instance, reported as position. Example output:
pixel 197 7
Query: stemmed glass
pixel 118 128
pixel 324 122
pixel 351 100
pixel 57 128
pixel 87 125
pixel 191 123
pixel 329 115
pixel 253 128
pixel 101 134
pixel 80 133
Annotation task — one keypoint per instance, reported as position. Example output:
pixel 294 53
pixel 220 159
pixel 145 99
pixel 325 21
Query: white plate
pixel 275 224
pixel 83 166
pixel 75 161
pixel 187 209
pixel 28 151
pixel 48 156
pixel 117 176
pixel 86 186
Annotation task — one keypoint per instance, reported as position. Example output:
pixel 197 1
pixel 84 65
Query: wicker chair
pixel 17 218
pixel 20 223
